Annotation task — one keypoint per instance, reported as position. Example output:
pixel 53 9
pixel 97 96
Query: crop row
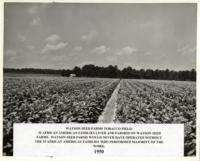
pixel 52 101
pixel 159 102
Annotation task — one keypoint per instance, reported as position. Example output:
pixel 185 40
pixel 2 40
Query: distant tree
pixel 127 72
pixel 66 72
pixel 193 75
pixel 148 74
pixel 63 72
pixel 166 74
pixel 77 71
pixel 89 70
pixel 112 71
pixel 142 73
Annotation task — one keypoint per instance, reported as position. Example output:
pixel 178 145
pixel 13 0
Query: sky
pixel 62 36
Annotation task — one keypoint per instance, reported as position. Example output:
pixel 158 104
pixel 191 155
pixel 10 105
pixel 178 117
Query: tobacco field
pixel 145 101
pixel 82 100
pixel 35 100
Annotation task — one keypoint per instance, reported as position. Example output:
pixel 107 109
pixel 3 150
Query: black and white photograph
pixel 100 63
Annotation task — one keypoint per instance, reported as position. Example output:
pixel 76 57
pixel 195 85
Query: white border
pixel 197 158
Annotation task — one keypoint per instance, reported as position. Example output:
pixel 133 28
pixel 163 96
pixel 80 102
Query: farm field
pixel 152 101
pixel 46 99
pixel 52 100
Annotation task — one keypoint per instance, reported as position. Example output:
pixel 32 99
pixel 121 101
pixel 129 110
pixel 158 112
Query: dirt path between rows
pixel 108 114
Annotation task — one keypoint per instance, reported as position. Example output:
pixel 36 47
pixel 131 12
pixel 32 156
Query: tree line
pixel 110 71
pixel 32 71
